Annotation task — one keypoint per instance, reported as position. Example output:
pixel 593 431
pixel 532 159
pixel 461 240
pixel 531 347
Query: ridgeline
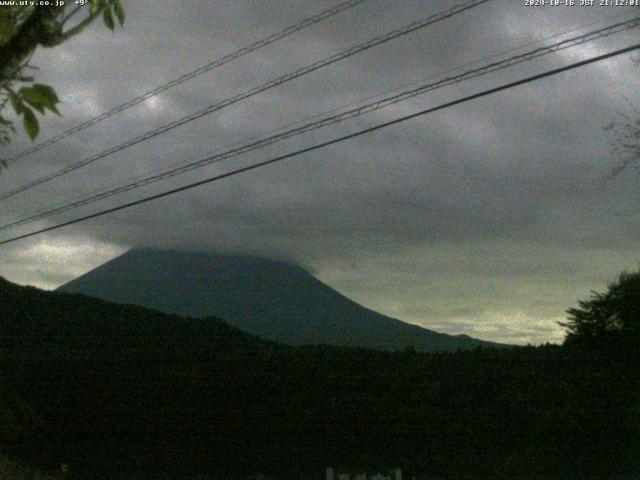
pixel 119 391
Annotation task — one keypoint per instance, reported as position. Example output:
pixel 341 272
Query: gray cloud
pixel 482 219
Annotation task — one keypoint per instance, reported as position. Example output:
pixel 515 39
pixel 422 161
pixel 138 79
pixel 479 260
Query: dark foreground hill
pixel 122 392
pixel 271 299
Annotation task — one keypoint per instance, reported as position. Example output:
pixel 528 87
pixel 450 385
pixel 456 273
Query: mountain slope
pixel 271 299
pixel 120 391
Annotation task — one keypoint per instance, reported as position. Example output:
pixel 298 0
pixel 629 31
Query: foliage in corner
pixel 23 28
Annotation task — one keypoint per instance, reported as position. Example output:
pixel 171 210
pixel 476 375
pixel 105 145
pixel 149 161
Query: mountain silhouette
pixel 121 391
pixel 272 299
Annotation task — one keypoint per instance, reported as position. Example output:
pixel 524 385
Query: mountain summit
pixel 272 299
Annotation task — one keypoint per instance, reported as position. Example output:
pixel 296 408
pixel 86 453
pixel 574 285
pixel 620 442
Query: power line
pixel 254 91
pixel 307 22
pixel 340 117
pixel 331 142
pixel 338 109
pixel 38 213
pixel 527 56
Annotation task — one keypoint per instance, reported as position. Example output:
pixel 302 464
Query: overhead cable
pixel 251 92
pixel 333 119
pixel 318 146
pixel 307 22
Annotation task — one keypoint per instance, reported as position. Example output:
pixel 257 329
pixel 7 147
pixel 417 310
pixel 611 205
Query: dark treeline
pixel 123 392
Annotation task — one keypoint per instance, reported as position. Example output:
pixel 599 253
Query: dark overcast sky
pixel 482 219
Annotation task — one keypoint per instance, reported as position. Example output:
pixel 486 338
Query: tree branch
pixel 57 40
pixel 35 30
pixel 68 17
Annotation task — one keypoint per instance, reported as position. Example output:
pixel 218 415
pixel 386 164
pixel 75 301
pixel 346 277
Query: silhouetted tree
pixel 611 317
pixel 625 140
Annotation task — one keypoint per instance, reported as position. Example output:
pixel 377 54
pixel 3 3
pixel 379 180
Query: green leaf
pixel 6 29
pixel 40 96
pixel 108 19
pixel 37 106
pixel 55 28
pixel 55 110
pixel 118 8
pixel 32 100
pixel 30 123
pixel 46 93
pixel 16 103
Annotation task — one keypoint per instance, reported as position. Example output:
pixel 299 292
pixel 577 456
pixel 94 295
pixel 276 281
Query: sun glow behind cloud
pixel 154 104
pixel 38 263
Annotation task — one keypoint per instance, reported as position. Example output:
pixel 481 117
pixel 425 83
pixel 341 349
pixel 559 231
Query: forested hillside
pixel 124 392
